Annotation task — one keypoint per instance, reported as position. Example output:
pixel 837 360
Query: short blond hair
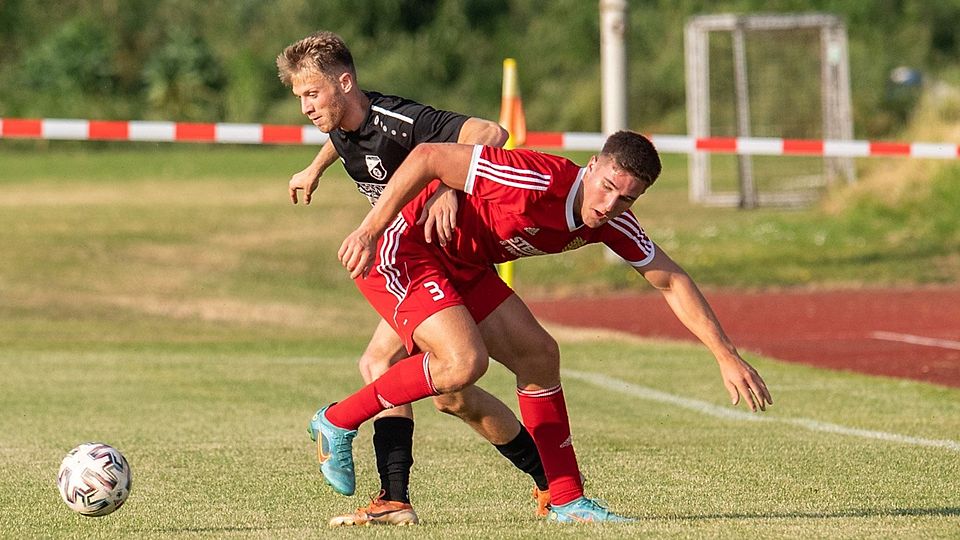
pixel 322 53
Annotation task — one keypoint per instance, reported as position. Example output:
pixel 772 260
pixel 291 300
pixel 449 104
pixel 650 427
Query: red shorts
pixel 410 280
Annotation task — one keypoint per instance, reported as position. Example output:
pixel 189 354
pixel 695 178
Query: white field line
pixel 917 340
pixel 710 409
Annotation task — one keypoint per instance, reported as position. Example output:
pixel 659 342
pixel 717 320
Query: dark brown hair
pixel 633 153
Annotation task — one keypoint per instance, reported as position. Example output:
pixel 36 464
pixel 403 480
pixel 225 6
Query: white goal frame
pixel 835 95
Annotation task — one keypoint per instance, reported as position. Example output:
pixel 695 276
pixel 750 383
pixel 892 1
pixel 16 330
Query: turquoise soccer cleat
pixel 334 452
pixel 584 510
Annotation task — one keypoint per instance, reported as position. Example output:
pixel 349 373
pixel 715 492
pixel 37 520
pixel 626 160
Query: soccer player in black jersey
pixel 372 134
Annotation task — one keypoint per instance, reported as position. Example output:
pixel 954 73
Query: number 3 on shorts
pixel 434 290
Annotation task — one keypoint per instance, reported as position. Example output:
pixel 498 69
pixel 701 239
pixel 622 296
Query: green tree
pixel 183 79
pixel 71 71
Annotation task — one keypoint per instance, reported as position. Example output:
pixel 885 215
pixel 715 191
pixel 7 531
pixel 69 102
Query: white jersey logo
pixel 375 167
pixel 519 247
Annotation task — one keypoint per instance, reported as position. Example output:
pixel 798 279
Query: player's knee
pixel 475 366
pixel 550 349
pixel 542 359
pixel 373 366
pixel 545 351
pixel 461 370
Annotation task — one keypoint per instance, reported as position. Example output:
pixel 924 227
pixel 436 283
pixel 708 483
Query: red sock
pixel 544 413
pixel 405 382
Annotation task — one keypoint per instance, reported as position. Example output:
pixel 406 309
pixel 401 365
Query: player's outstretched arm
pixel 447 161
pixel 440 212
pixel 689 305
pixel 308 179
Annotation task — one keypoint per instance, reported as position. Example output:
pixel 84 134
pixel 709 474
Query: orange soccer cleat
pixel 543 501
pixel 379 512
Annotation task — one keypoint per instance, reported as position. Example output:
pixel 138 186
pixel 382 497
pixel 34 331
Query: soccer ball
pixel 94 479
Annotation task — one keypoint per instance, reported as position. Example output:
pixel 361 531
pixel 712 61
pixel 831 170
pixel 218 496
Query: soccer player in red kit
pixel 371 134
pixel 515 203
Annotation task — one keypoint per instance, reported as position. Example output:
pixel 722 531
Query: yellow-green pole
pixel 512 119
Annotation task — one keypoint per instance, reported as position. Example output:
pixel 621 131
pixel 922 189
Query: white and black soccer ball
pixel 94 479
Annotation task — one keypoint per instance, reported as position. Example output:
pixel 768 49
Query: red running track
pixel 855 330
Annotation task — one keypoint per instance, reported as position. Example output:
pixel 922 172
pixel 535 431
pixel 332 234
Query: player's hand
pixel 306 180
pixel 742 380
pixel 356 253
pixel 440 213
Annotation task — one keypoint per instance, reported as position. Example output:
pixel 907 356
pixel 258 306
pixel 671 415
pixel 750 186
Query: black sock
pixel 522 452
pixel 393 446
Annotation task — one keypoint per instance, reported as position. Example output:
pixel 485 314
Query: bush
pixel 183 80
pixel 71 72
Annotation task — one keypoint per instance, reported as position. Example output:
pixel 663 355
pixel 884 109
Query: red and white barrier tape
pixel 102 130
pixel 769 146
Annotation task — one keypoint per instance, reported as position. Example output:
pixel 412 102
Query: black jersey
pixel 393 126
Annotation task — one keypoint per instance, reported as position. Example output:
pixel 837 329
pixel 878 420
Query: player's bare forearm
pixel 308 179
pixel 413 175
pixel 325 157
pixel 448 162
pixel 693 310
pixel 686 301
pixel 739 377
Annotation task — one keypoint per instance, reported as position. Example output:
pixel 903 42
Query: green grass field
pixel 171 302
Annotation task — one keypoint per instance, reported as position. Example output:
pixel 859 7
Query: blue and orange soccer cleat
pixel 334 452
pixel 584 510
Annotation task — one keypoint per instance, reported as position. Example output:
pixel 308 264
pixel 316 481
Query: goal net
pixel 776 76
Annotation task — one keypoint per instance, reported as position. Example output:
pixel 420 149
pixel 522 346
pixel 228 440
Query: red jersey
pixel 519 203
